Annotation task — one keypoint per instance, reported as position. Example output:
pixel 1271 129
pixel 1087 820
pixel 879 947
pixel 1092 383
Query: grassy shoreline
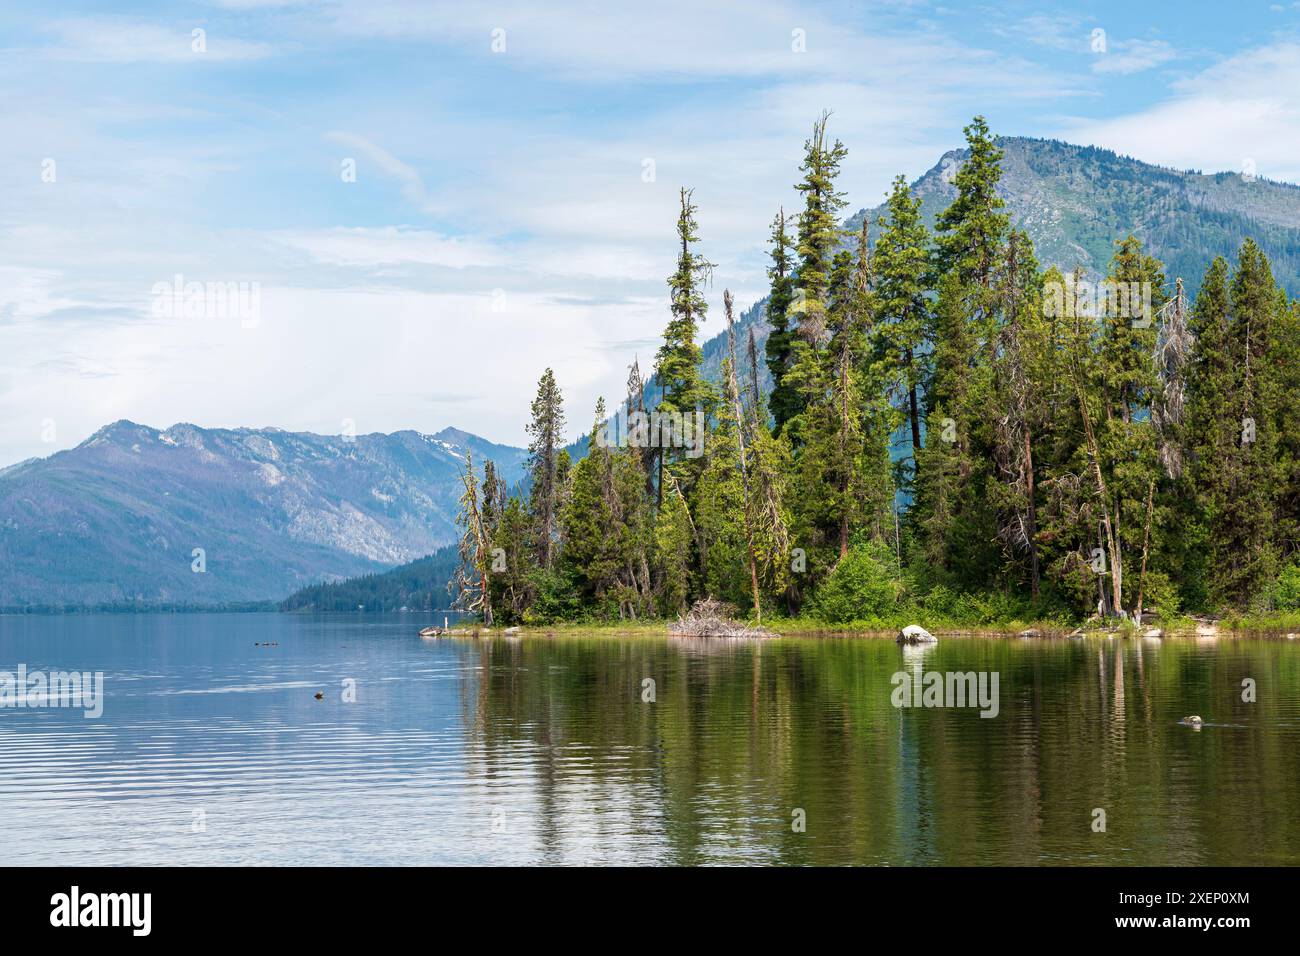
pixel 1274 623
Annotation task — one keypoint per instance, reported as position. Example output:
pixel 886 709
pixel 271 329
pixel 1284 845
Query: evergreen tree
pixel 971 231
pixel 1125 383
pixel 1019 382
pixel 819 230
pixel 685 390
pixel 591 526
pixel 1242 510
pixel 900 270
pixel 547 432
pixel 782 400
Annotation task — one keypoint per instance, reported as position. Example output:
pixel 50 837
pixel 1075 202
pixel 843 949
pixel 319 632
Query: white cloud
pixel 1244 107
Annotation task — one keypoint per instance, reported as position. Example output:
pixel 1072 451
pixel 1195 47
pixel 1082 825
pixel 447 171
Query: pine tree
pixel 1286 426
pixel 674 536
pixel 512 589
pixel 1210 432
pixel 956 508
pixel 547 432
pixel 900 269
pixel 1126 384
pixel 685 389
pixel 782 401
pixel 819 236
pixel 1245 555
pixel 1021 411
pixel 971 231
pixel 591 525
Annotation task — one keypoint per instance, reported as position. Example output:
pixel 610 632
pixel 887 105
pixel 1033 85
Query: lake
pixel 598 749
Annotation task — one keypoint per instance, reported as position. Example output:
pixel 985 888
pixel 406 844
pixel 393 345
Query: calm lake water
pixel 211 750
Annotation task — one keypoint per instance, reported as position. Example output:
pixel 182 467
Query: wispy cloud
pixel 117 40
pixel 1244 108
pixel 412 184
pixel 1133 56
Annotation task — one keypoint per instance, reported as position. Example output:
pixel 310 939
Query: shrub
pixel 865 584
pixel 1286 595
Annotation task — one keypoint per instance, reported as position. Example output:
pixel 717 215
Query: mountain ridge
pixel 116 519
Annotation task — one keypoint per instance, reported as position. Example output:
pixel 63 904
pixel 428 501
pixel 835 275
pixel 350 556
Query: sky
pixel 419 207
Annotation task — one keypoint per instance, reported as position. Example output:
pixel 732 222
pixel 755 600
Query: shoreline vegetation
pixel 1283 623
pixel 796 627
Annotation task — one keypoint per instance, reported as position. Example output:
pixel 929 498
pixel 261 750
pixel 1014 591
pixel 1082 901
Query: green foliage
pixel 865 584
pixel 678 359
pixel 782 400
pixel 1286 593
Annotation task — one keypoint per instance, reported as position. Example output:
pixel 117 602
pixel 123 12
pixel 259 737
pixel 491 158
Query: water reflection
pixel 601 749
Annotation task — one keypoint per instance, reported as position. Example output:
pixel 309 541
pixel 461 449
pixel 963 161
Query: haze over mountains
pixel 116 519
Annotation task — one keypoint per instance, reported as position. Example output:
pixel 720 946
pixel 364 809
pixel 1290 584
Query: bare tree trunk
pixel 1146 541
pixel 846 484
pixel 913 408
pixel 1116 578
pixel 1032 513
pixel 740 441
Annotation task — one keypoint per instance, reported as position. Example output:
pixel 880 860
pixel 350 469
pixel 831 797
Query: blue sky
pixel 500 205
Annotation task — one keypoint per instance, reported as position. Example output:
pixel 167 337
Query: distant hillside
pixel 117 518
pixel 418 586
pixel 1076 201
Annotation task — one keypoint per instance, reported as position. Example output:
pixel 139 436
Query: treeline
pixel 420 585
pixel 1062 445
pixel 144 607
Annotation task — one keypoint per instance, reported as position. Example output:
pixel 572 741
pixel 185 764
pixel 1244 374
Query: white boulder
pixel 916 634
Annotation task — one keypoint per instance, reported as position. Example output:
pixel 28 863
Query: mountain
pixel 117 519
pixel 1076 201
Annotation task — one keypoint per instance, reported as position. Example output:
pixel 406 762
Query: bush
pixel 940 600
pixel 864 585
pixel 557 599
pixel 1286 595
pixel 1159 594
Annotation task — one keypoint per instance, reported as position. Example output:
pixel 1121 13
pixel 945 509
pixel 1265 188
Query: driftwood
pixel 711 618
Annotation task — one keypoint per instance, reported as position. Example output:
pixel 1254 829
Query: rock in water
pixel 916 634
